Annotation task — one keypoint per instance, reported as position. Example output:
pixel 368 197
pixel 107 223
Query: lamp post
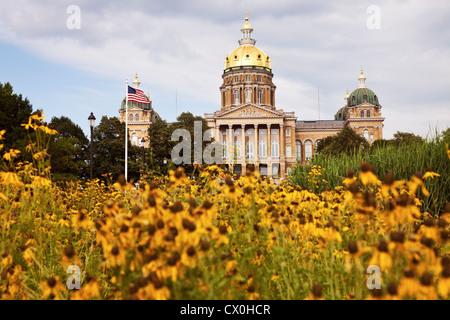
pixel 143 150
pixel 91 124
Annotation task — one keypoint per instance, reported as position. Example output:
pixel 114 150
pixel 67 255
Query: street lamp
pixel 143 150
pixel 91 124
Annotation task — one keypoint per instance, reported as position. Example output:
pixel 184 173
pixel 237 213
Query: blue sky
pixel 180 45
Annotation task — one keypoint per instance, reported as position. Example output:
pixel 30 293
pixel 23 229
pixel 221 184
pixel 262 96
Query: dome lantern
pixel 247 31
pixel 136 82
pixel 362 80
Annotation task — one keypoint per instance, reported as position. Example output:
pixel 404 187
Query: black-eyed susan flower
pixel 52 289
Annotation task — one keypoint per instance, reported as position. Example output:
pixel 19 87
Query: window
pixel 362 113
pixel 236 79
pixel 366 134
pixel 275 148
pixel 317 143
pixel 365 98
pixel 130 117
pixel 236 97
pixel 298 150
pixel 353 100
pixel 136 117
pixel 237 148
pixel 259 78
pixel 275 169
pixel 308 150
pixel 247 78
pixel 368 113
pixel 225 149
pixel 248 95
pixel 134 139
pixel 288 151
pixel 288 171
pixel 249 150
pixel 259 96
pixel 288 132
pixel 262 149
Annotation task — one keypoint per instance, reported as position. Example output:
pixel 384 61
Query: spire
pixel 247 31
pixel 346 97
pixel 362 80
pixel 136 82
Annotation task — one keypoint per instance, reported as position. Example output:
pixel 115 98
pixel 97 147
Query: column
pixel 230 146
pixel 217 133
pixel 269 143
pixel 282 152
pixel 256 144
pixel 243 150
pixel 293 151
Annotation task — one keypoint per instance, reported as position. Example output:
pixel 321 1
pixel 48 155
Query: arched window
pixel 298 150
pixel 366 134
pixel 361 114
pixel 247 78
pixel 365 98
pixel 259 96
pixel 262 148
pixel 134 139
pixel 237 148
pixel 275 148
pixel 136 117
pixel 248 95
pixel 368 113
pixel 130 117
pixel 259 79
pixel 236 97
pixel 249 148
pixel 225 149
pixel 353 100
pixel 236 79
pixel 317 143
pixel 288 150
pixel 308 150
pixel 288 171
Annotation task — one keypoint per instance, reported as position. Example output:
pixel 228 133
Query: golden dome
pixel 247 56
pixel 246 26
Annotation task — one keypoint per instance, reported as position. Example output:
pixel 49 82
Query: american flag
pixel 137 95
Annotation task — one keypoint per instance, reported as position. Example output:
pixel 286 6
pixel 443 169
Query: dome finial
pixel 136 82
pixel 246 16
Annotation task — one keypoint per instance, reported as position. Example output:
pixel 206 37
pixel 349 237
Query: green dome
pixel 341 114
pixel 361 95
pixel 155 116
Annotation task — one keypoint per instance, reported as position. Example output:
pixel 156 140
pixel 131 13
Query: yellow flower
pixel 367 174
pixel 52 288
pixel 10 178
pixel 2 133
pixel 13 153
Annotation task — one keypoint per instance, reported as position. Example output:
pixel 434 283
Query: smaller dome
pixel 247 26
pixel 341 114
pixel 361 95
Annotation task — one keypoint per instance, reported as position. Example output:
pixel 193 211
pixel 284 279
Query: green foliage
pixel 402 160
pixel 69 150
pixel 160 134
pixel 346 141
pixel 14 111
pixel 109 150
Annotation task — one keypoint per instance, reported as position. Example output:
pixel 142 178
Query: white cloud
pixel 182 44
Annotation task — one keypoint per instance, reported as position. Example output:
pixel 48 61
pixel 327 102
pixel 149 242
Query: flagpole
pixel 126 136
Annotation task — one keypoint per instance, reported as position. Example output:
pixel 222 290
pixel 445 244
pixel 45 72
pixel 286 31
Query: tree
pixel 109 150
pixel 402 138
pixel 346 141
pixel 161 146
pixel 14 111
pixel 69 150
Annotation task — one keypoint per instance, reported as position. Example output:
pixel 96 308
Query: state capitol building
pixel 250 127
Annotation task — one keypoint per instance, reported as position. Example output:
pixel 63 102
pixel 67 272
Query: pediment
pixel 250 111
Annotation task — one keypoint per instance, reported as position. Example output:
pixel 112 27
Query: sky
pixel 71 62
